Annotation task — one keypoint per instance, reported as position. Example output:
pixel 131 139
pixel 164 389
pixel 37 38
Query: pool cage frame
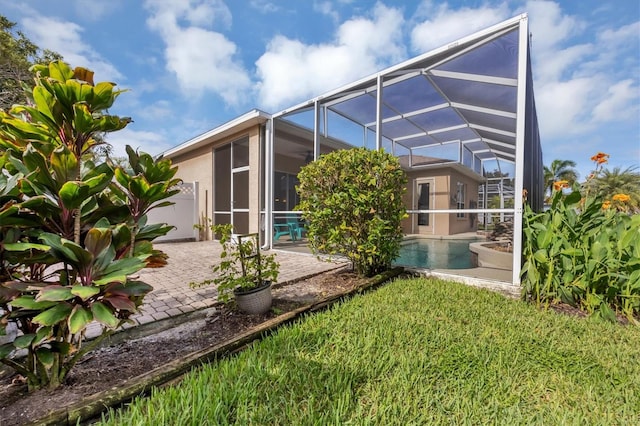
pixel 497 122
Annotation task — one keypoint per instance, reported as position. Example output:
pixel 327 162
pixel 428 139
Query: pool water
pixel 435 254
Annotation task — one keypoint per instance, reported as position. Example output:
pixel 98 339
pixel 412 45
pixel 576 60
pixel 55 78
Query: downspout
pixel 316 130
pixel 268 184
pixel 379 113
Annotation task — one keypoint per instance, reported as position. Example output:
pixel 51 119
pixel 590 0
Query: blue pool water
pixel 435 254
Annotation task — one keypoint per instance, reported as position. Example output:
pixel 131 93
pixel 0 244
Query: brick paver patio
pixel 191 262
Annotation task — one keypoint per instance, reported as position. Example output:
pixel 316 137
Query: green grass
pixel 416 352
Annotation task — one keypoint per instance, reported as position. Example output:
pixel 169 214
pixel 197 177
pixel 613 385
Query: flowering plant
pixel 583 251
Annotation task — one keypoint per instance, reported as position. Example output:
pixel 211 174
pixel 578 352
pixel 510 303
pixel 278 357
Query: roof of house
pixel 245 121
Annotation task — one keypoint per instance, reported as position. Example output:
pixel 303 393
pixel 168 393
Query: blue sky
pixel 191 65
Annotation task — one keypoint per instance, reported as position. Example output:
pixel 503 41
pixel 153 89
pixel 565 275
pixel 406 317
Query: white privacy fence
pixel 183 214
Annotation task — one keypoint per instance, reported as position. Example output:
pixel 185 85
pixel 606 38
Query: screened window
pixel 222 179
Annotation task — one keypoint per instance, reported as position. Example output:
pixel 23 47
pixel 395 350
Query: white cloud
pixel 551 30
pixel 616 49
pixel 445 25
pixel 142 140
pixel 66 38
pixel 581 85
pixel 620 36
pixel 326 8
pixel 96 9
pixel 290 70
pixel 619 103
pixel 168 14
pixel 264 6
pixel 553 64
pixel 550 27
pixel 201 59
pixel 560 106
pixel 156 111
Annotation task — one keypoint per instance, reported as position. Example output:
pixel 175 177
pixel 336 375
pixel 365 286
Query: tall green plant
pixel 352 200
pixel 584 252
pixel 69 238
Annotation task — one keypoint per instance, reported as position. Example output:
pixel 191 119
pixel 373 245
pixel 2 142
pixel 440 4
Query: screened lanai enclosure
pixel 462 121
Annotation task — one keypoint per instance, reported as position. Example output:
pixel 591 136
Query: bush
pixel 584 252
pixel 242 265
pixel 352 200
pixel 71 231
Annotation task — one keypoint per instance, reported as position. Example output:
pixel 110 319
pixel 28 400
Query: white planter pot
pixel 254 301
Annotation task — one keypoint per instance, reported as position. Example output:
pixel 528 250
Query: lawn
pixel 416 351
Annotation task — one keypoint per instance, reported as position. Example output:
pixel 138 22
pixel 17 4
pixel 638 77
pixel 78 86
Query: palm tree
pixel 559 170
pixel 608 183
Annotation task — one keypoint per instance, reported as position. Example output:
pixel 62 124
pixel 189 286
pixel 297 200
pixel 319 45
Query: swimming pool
pixel 435 254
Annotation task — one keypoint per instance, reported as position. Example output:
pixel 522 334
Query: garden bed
pixel 117 365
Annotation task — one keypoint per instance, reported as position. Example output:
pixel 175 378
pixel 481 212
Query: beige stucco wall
pixel 445 180
pixel 255 173
pixel 197 166
pixel 459 225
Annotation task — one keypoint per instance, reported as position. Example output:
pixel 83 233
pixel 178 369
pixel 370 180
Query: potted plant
pixel 244 271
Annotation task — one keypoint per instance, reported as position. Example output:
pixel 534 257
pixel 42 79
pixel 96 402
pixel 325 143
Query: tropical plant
pixel 352 201
pixel 243 266
pixel 607 183
pixel 70 235
pixel 583 251
pixel 557 171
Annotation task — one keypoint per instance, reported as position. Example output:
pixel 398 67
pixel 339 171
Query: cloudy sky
pixel 191 65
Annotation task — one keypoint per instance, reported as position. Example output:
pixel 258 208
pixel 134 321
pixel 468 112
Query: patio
pixel 191 262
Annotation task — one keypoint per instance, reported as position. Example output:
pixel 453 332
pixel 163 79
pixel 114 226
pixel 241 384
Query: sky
pixel 191 65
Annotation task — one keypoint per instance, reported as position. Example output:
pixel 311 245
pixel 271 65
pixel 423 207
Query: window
pixel 460 197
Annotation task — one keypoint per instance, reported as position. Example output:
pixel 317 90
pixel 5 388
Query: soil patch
pixel 114 363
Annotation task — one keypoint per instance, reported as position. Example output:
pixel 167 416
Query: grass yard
pixel 416 351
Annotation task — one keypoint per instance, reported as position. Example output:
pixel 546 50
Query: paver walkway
pixel 191 262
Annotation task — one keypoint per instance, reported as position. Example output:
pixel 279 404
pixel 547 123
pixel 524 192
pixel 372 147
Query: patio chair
pixel 280 229
pixel 297 228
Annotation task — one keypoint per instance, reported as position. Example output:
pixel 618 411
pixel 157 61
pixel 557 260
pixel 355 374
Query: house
pixel 451 115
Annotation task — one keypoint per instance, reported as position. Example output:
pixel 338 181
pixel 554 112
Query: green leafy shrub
pixel 71 231
pixel 352 200
pixel 242 267
pixel 584 252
